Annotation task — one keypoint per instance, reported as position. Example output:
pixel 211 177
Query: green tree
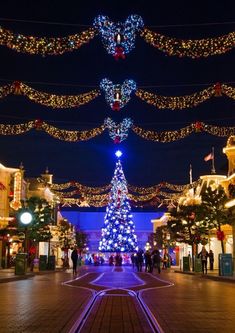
pixel 81 240
pixel 42 212
pixel 66 235
pixel 213 213
pixel 186 227
pixel 164 237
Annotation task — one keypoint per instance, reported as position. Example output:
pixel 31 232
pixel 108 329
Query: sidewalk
pixel 212 275
pixel 8 274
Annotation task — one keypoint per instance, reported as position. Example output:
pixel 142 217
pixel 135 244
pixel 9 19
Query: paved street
pixel 117 301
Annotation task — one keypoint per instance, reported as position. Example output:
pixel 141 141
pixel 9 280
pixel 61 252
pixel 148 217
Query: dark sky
pixel 92 162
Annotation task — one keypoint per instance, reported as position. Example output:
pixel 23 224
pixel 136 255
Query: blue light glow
pixel 118 153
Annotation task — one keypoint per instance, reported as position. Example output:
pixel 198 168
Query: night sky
pixel 92 162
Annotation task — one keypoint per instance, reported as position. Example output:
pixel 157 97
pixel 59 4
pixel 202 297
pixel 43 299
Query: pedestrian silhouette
pixel 74 257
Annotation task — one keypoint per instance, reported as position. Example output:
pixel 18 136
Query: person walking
pixel 211 260
pixel 74 257
pixel 148 262
pixel 156 260
pixel 203 255
pixel 139 260
pixel 133 259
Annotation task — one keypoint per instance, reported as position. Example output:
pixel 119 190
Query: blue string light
pixel 118 38
pixel 118 232
pixel 118 132
pixel 117 95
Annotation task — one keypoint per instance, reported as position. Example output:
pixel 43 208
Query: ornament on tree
pixel 118 38
pixel 118 132
pixel 218 89
pixel 192 216
pixel 118 232
pixel 117 95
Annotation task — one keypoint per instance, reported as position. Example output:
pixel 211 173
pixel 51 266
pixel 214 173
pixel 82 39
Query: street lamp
pixel 26 217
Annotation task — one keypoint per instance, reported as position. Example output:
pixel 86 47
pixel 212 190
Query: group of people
pixel 149 260
pixel 204 255
pixel 117 260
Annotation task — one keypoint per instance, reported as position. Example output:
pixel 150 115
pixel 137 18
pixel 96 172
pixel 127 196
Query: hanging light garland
pixel 170 136
pixel 71 136
pixel 117 95
pixel 52 100
pixel 119 132
pixel 118 38
pixel 16 129
pixel 44 45
pixel 81 188
pixel 196 48
pixel 178 102
pixel 76 136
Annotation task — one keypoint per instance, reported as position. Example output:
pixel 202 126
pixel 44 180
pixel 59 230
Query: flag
pixel 209 157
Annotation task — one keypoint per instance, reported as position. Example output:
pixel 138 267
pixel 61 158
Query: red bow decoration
pixel 119 53
pixel 117 140
pixel 116 106
pixel 17 88
pixel 218 89
pixel 220 235
pixel 198 126
pixel 38 124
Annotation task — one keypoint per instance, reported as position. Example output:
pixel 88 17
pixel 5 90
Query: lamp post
pixel 25 219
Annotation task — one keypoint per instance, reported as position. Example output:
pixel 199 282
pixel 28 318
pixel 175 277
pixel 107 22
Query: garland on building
pixel 134 189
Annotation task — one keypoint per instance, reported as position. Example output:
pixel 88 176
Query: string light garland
pixel 81 188
pixel 44 45
pixel 71 136
pixel 118 38
pixel 196 48
pixel 117 95
pixel 119 132
pixel 170 136
pixel 50 100
pixel 16 129
pixel 55 101
pixel 177 102
pixel 76 136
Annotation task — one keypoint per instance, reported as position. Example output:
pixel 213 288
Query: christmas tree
pixel 118 233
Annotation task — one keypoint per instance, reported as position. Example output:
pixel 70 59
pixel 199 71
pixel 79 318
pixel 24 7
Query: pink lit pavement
pixel 115 299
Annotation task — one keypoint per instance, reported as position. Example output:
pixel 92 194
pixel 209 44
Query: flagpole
pixel 213 161
pixel 190 174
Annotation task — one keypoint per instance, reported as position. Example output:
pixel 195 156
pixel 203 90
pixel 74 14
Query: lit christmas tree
pixel 118 233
